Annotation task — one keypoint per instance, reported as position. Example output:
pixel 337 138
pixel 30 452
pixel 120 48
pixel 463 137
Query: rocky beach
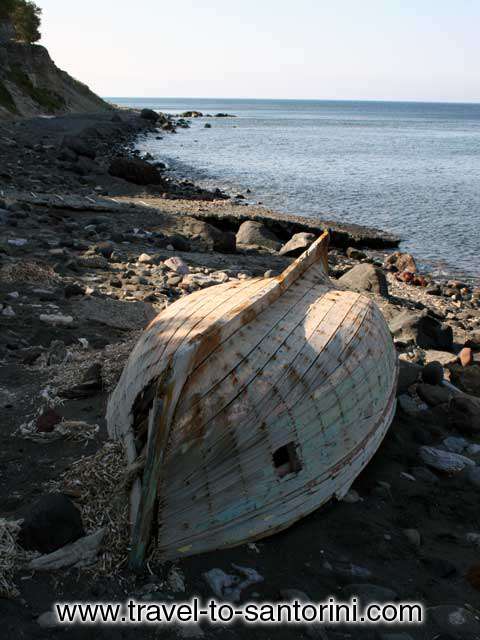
pixel 95 241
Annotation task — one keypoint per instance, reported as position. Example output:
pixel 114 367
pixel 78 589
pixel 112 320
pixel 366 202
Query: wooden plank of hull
pixel 223 469
pixel 283 362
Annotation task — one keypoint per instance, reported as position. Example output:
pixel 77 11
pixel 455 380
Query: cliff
pixel 31 84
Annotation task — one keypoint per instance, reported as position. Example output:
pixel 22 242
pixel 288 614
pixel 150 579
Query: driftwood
pixel 256 402
pixel 80 553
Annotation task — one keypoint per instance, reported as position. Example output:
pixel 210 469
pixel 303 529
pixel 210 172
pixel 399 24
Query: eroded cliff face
pixel 31 84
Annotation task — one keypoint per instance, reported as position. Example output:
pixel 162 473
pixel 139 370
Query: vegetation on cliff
pixel 25 17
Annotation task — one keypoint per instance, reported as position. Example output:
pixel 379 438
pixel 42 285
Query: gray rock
pixel 433 394
pixel 297 244
pixel 214 239
pixel 424 330
pixel 464 414
pixel 408 405
pixel 368 593
pixel 355 254
pixel 445 358
pixel 51 523
pixel 79 146
pixel 408 375
pixel 395 636
pixel 453 618
pixel 48 620
pixel 473 340
pixel 456 445
pixel 104 248
pixel 365 277
pixel 473 476
pixel 135 170
pixel 444 461
pixel 413 536
pixel 149 114
pixel 115 313
pixel 432 373
pixel 424 474
pixel 254 233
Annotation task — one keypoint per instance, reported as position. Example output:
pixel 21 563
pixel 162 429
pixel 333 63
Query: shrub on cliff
pixel 25 16
pixel 7 8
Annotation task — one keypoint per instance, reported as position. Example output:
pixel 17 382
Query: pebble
pixel 145 258
pixel 56 319
pixel 47 620
pixel 8 312
pixel 453 617
pixel 178 265
pixel 413 536
pixel 352 497
pixel 473 538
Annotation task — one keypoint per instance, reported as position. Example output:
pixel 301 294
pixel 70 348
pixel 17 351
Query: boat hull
pixel 265 400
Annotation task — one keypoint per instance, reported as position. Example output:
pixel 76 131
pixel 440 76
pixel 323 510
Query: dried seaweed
pixel 96 483
pixel 12 556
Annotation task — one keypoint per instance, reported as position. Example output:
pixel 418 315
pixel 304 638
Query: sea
pixel 407 167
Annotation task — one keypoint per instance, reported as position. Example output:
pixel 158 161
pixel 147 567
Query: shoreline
pixel 207 157
pixel 84 266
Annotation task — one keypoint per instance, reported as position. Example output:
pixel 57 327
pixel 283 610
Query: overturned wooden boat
pixel 252 403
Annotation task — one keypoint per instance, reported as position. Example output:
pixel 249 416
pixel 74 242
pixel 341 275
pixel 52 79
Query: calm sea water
pixel 410 168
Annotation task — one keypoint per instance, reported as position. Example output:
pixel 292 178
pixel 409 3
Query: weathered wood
pixel 275 394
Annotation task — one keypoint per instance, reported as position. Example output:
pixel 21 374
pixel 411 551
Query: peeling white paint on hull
pixel 254 403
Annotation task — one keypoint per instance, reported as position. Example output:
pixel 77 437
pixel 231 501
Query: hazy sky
pixel 332 49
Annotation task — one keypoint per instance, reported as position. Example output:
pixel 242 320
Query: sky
pixel 426 50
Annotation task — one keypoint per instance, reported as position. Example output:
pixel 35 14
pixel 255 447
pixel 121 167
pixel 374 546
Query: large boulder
pixel 135 170
pixel 297 244
pixel 50 524
pixel 433 394
pixel 466 378
pixel 424 330
pixel 408 374
pixel 252 233
pixel 464 414
pixel 214 239
pixel 149 114
pixel 401 261
pixel 365 277
pixel 79 146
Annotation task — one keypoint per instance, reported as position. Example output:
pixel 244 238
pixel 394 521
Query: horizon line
pixel 370 100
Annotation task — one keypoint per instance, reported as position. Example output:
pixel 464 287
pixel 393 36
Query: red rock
pixel 405 276
pixel 47 420
pixel 466 356
pixel 419 281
